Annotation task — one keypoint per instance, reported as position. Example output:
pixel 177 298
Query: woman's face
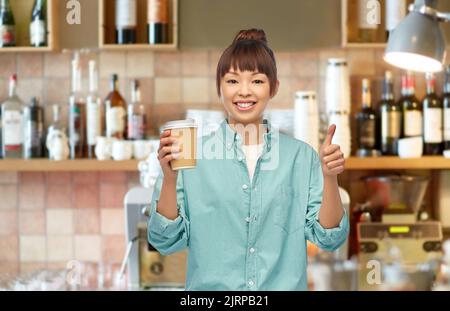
pixel 245 95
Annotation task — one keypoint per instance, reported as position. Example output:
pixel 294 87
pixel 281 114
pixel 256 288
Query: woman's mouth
pixel 244 106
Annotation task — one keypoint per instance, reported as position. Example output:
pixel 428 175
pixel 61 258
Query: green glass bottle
pixel 7 25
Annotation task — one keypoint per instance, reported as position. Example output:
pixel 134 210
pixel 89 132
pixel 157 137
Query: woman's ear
pixel 275 91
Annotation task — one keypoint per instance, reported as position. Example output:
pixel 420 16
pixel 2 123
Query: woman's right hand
pixel 167 151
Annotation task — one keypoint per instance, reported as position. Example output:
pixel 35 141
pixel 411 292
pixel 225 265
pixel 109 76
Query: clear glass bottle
pixel 12 123
pixel 77 115
pixel 94 111
pixel 136 114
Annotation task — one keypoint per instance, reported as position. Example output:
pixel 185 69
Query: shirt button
pixel 245 187
pixel 252 250
pixel 251 283
pixel 247 219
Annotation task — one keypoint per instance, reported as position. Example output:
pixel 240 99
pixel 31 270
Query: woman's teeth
pixel 244 106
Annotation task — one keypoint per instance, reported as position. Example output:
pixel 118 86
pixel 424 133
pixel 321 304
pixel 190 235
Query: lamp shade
pixel 417 44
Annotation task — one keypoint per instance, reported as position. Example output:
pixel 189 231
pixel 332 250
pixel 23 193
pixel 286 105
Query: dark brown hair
pixel 249 51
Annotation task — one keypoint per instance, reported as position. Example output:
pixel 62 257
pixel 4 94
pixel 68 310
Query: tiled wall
pixel 47 219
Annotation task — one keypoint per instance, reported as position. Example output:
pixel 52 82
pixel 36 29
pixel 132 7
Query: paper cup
pixel 186 133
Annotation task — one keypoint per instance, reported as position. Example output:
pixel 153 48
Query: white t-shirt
pixel 252 154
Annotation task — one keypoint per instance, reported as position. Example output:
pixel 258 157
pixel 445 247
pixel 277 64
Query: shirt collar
pixel 230 137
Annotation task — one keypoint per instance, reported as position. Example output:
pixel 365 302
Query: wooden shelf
pixel 349 25
pixel 353 164
pixel 396 163
pixel 40 165
pixel 22 14
pixel 107 31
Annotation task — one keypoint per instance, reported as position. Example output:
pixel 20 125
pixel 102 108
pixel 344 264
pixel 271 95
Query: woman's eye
pixel 232 81
pixel 258 81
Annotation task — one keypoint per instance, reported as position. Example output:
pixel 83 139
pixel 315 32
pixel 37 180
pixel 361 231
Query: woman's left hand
pixel 331 156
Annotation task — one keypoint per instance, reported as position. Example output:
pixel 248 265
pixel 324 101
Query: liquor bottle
pixel 395 13
pixel 368 20
pixel 12 119
pixel 446 104
pixel 94 111
pixel 115 111
pixel 411 107
pixel 366 121
pixel 136 114
pixel 158 21
pixel 34 130
pixel 432 119
pixel 7 25
pixel 391 118
pixel 126 21
pixel 38 25
pixel 77 115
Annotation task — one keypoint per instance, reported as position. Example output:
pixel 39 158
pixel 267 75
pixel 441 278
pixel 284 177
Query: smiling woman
pixel 246 214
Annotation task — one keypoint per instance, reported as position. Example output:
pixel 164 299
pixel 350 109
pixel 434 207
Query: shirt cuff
pixel 332 234
pixel 159 223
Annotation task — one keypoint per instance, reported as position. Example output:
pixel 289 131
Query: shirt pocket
pixel 288 215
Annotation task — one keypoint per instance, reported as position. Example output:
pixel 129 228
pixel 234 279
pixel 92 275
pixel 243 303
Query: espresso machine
pixel 397 199
pixel 147 268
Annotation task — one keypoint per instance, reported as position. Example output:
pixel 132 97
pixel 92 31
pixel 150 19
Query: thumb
pixel 330 134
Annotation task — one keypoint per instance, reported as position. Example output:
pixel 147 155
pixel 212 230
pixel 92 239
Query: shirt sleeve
pixel 327 239
pixel 166 235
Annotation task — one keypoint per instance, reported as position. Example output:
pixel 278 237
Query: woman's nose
pixel 244 90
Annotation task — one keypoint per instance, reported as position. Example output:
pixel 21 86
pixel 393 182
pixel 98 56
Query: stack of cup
pixel 306 118
pixel 338 102
pixel 281 119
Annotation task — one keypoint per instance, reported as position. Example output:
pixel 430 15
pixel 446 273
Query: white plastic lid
pixel 179 124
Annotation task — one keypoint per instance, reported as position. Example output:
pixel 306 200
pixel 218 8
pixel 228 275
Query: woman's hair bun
pixel 251 34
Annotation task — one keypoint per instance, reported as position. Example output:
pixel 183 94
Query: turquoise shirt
pixel 242 234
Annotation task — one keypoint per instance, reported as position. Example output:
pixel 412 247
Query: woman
pixel 246 212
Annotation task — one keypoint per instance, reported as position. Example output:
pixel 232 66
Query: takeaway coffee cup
pixel 186 133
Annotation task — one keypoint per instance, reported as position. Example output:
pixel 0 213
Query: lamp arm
pixel 427 10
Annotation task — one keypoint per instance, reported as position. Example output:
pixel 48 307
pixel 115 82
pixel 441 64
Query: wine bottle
pixel 395 13
pixel 77 115
pixel 368 20
pixel 38 25
pixel 366 121
pixel 158 21
pixel 126 21
pixel 411 107
pixel 391 118
pixel 136 114
pixel 432 119
pixel 94 111
pixel 446 104
pixel 34 130
pixel 115 111
pixel 12 119
pixel 7 25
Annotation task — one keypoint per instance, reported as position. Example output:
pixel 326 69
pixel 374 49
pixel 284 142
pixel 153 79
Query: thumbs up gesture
pixel 331 156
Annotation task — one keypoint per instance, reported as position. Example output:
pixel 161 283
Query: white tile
pixel 60 221
pixel 88 247
pixel 112 221
pixel 59 248
pixel 167 91
pixel 112 62
pixel 195 90
pixel 140 65
pixel 33 249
